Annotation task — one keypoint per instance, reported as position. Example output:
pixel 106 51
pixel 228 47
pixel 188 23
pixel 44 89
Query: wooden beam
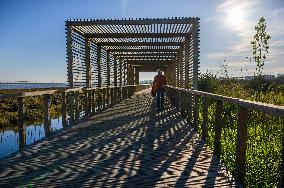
pixel 69 56
pixel 149 61
pixel 144 50
pixel 136 35
pixel 144 21
pixel 147 55
pixel 140 43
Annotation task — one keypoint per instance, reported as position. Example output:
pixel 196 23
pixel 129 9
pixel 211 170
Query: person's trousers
pixel 160 98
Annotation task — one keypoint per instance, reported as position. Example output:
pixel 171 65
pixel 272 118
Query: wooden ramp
pixel 129 145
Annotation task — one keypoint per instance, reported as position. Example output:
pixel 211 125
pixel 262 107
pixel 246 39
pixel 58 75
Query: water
pixel 9 136
pixel 30 85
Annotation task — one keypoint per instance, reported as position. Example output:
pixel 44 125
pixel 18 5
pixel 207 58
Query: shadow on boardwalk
pixel 128 145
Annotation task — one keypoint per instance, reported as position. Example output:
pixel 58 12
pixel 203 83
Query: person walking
pixel 159 84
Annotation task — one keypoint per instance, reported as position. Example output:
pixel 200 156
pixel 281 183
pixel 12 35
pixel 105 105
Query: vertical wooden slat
pixel 99 51
pixel 21 121
pixel 115 71
pixel 218 128
pixel 125 74
pixel 241 145
pixel 195 112
pixel 108 68
pixel 195 38
pixel 88 63
pixel 120 72
pixel 186 60
pixel 69 56
pixel 63 108
pixel 47 118
pixel 205 118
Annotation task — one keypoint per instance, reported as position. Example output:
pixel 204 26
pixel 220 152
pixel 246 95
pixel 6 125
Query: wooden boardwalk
pixel 129 145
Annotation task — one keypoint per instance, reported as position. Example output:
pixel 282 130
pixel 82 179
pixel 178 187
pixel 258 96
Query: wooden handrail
pixel 177 94
pixel 271 109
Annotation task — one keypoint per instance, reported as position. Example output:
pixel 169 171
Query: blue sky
pixel 32 35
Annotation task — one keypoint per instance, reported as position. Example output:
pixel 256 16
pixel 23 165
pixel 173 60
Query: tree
pixel 260 50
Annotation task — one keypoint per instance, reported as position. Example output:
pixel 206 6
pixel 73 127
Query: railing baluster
pixel 47 118
pixel 63 108
pixel 195 112
pixel 218 128
pixel 71 107
pixel 77 105
pixel 21 121
pixel 205 118
pixel 241 144
pixel 189 113
pixel 88 103
pixel 93 101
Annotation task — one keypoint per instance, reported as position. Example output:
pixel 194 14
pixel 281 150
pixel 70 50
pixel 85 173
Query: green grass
pixel 265 133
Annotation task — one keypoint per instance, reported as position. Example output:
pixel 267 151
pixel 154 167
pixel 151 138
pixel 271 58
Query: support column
pixel 88 63
pixel 125 74
pixel 120 72
pixel 108 68
pixel 186 61
pixel 69 56
pixel 196 51
pixel 115 71
pixel 99 51
pixel 136 77
pixel 181 71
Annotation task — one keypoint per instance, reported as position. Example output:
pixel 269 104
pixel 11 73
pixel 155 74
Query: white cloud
pixel 240 17
pixel 217 55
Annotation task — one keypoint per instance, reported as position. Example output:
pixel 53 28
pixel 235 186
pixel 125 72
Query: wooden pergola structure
pixel 113 52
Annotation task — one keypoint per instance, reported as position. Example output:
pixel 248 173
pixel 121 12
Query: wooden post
pixel 205 118
pixel 120 72
pixel 88 103
pixel 186 61
pixel 21 121
pixel 218 128
pixel 181 68
pixel 88 63
pixel 241 145
pixel 104 98
pixel 63 109
pixel 69 55
pixel 115 71
pixel 189 115
pixel 195 38
pixel 108 68
pixel 125 78
pixel 47 119
pixel 93 101
pixel 136 77
pixel 71 107
pixel 99 51
pixel 77 105
pixel 195 112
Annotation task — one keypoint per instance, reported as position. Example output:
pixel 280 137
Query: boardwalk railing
pixel 247 136
pixel 72 104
